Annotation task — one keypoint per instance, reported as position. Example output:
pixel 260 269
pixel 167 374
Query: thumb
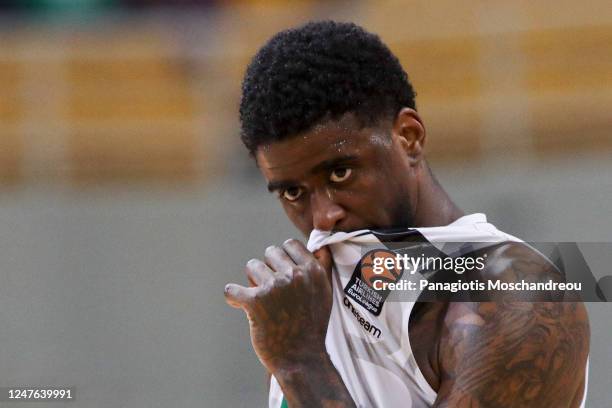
pixel 324 257
pixel 238 296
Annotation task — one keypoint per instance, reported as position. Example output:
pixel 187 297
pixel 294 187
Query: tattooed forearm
pixel 316 384
pixel 509 354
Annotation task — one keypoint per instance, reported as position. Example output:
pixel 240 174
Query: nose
pixel 326 213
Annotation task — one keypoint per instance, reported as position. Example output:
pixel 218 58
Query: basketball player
pixel 329 115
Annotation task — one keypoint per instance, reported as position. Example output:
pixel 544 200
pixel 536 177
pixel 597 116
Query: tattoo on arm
pixel 315 384
pixel 509 354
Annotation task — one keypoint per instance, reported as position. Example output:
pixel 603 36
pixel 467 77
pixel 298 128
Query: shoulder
pixel 517 262
pixel 508 256
pixel 509 353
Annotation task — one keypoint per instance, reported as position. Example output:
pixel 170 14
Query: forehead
pixel 323 142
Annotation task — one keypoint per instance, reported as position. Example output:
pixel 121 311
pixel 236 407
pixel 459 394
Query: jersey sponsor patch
pixel 360 287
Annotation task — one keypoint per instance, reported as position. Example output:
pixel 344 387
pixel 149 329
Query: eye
pixel 292 193
pixel 340 174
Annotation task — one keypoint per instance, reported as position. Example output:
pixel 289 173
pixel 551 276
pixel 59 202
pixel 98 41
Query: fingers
pixel 258 272
pixel 297 251
pixel 290 263
pixel 324 257
pixel 278 260
pixel 238 296
pixel 302 256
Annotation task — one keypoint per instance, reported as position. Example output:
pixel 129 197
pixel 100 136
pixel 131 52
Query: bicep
pixel 513 354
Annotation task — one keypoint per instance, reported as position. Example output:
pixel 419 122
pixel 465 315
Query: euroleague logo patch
pixel 374 268
pixel 369 269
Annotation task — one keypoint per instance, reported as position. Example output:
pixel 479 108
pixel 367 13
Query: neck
pixel 434 206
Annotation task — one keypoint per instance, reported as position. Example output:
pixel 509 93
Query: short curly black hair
pixel 315 72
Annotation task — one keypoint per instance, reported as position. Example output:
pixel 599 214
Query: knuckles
pixel 270 250
pixel 252 264
pixel 294 270
pixel 281 280
pixel 299 276
pixel 295 274
pixel 314 266
pixel 290 242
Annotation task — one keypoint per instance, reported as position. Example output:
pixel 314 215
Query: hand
pixel 288 304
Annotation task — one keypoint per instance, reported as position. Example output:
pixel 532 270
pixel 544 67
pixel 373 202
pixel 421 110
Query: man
pixel 329 116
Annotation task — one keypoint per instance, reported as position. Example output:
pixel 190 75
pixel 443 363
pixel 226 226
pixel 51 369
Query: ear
pixel 409 130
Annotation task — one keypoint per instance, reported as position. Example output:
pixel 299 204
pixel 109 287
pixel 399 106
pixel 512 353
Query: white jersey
pixel 368 343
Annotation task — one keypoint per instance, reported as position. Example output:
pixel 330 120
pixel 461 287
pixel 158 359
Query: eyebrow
pixel 332 163
pixel 324 165
pixel 280 185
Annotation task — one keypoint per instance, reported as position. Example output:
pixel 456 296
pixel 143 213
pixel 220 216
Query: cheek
pixel 369 197
pixel 394 174
pixel 380 196
pixel 300 217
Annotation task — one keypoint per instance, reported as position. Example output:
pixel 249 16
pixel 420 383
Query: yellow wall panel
pixel 572 123
pixel 568 59
pixel 128 89
pixel 10 92
pixel 162 154
pixel 442 68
